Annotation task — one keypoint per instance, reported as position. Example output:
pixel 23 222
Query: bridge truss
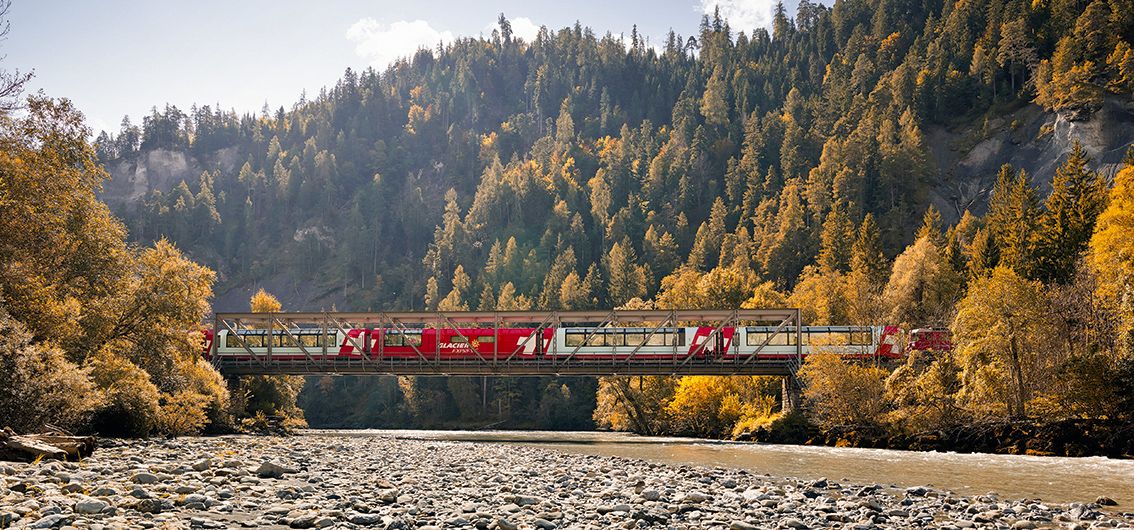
pixel 684 361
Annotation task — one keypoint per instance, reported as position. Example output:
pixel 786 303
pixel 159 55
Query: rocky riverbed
pixel 334 481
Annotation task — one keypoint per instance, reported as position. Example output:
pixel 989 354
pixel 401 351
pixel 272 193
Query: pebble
pixel 324 480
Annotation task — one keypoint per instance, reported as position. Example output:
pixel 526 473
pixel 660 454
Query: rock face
pixel 132 179
pixel 968 156
pixel 330 481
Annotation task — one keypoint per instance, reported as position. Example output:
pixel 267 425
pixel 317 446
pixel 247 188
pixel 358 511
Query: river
pixel 1052 479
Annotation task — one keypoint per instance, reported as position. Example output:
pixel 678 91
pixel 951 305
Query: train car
pixel 848 341
pixel 457 344
pixel 929 339
pixel 585 343
pixel 293 344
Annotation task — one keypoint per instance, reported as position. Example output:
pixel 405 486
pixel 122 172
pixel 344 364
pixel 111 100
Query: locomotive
pixel 576 343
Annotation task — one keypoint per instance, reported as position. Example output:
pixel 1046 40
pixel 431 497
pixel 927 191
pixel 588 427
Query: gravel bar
pixel 335 481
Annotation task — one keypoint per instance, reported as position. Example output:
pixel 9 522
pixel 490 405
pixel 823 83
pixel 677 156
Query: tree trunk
pixel 1018 378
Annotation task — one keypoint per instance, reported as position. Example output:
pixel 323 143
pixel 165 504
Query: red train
pixel 578 343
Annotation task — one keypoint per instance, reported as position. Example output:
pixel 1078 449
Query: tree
pixel 922 287
pixel 714 103
pixel 1078 196
pixel 867 256
pixel 1005 343
pixel 1111 257
pixel 625 278
pixel 925 392
pixel 1013 211
pixel 710 406
pixel 931 227
pixel 836 241
pixel 269 395
pixel 1016 51
pixel 11 82
pixel 841 392
pixel 635 404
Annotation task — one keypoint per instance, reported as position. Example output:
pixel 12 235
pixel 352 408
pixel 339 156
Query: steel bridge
pixel 322 360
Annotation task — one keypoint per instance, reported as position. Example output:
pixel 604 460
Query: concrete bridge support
pixel 792 394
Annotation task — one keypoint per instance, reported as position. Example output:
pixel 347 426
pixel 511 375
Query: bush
pixel 131 403
pixel 182 413
pixel 711 406
pixel 924 392
pixel 203 380
pixel 38 385
pixel 841 392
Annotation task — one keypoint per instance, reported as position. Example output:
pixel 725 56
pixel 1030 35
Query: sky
pixel 117 57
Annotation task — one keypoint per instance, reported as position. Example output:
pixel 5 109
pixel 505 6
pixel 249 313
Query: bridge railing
pixel 557 360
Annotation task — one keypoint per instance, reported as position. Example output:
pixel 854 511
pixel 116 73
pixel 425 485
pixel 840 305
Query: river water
pixel 1052 479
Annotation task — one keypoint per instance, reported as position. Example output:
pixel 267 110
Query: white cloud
pixel 382 44
pixel 742 15
pixel 522 27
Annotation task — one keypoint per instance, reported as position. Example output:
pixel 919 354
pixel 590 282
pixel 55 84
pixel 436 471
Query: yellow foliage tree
pixel 1111 257
pixel 842 392
pixel 270 395
pixel 922 288
pixel 711 406
pixel 1006 343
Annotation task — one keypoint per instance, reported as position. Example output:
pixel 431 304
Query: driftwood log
pixel 54 446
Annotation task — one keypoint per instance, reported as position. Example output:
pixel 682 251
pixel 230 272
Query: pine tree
pixel 1078 196
pixel 983 254
pixel 714 103
pixel 625 278
pixel 1013 211
pixel 931 227
pixel 867 257
pixel 836 241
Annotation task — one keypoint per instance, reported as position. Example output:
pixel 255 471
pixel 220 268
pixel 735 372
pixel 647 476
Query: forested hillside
pixel 730 167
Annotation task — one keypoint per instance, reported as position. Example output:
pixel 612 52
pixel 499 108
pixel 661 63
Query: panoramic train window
pixel 486 339
pixel 597 339
pixel 457 339
pixel 574 338
pixel 862 338
pixel 756 337
pixel 309 340
pixel 283 340
pixel 615 337
pixel 635 338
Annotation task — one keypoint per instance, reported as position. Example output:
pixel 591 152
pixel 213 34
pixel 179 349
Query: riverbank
pixel 1069 437
pixel 331 480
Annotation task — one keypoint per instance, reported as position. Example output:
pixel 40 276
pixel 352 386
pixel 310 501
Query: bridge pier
pixel 792 394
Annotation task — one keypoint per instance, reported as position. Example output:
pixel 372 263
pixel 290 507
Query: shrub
pixel 131 403
pixel 38 385
pixel 182 413
pixel 202 379
pixel 841 392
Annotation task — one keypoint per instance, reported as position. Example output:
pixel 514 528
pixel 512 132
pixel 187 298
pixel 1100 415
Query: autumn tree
pixel 1004 342
pixel 922 287
pixel 1111 257
pixel 842 392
